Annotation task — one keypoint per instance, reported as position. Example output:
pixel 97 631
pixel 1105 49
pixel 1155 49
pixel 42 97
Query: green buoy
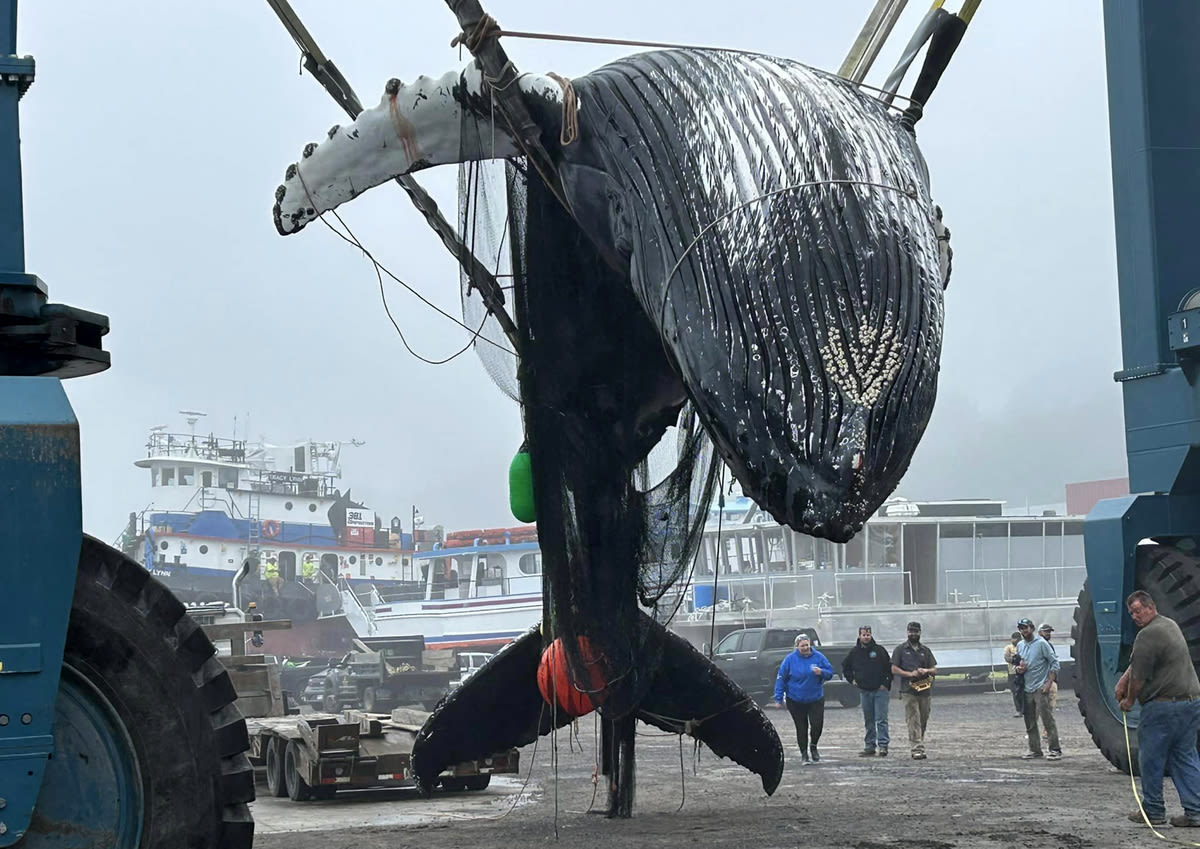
pixel 520 487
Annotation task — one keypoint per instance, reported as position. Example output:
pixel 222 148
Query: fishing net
pixel 750 256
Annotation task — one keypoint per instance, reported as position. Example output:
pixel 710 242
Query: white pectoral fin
pixel 413 126
pixel 353 159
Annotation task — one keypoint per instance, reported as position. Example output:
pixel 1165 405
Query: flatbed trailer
pixel 313 755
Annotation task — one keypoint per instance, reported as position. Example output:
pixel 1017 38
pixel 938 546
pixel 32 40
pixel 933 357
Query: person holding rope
pixel 1163 680
pixel 801 678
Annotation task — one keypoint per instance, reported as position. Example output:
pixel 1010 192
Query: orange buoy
pixel 554 679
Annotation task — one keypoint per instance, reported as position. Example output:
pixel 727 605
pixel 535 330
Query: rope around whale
pixel 1138 796
pixel 489 27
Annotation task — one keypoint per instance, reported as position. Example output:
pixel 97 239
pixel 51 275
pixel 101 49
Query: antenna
pixel 193 416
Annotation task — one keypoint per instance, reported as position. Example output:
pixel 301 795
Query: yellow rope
pixel 1138 796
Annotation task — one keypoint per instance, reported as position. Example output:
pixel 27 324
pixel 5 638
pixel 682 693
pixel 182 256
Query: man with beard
pixel 1039 664
pixel 1163 680
pixel 868 666
pixel 916 666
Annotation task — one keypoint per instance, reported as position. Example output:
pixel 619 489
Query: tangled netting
pixel 750 255
pixel 671 486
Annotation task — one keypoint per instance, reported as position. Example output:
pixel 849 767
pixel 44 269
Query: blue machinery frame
pixel 40 513
pixel 1154 117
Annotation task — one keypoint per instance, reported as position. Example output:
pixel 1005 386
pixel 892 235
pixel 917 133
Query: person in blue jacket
pixel 801 678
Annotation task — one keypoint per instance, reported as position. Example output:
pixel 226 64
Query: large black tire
pixel 276 779
pixel 1100 716
pixel 298 789
pixel 150 670
pixel 1173 580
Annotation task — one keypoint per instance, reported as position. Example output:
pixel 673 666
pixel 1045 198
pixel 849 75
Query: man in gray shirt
pixel 1040 665
pixel 1162 678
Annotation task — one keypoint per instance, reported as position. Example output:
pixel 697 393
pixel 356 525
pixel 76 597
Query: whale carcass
pixel 733 244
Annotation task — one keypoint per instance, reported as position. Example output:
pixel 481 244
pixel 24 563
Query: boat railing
pixel 199 447
pixel 392 595
pixel 361 618
pixel 973 586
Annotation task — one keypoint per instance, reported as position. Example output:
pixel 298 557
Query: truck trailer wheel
pixel 467 782
pixel 298 790
pixel 370 700
pixel 276 780
pixel 150 748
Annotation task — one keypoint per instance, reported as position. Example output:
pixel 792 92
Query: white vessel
pixel 482 589
pixel 273 514
pixel 964 568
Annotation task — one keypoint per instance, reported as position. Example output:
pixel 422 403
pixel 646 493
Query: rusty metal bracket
pixel 500 73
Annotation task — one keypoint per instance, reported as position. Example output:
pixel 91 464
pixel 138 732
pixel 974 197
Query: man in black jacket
pixel 869 667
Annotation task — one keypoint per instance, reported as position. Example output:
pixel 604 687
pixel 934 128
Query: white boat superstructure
pixel 216 505
pixel 963 566
pixel 481 588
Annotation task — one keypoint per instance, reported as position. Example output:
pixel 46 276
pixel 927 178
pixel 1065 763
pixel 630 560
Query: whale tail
pixel 500 706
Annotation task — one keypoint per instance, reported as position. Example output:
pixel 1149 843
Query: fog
pixel 155 134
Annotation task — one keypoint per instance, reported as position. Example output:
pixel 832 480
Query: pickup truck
pixel 378 681
pixel 751 657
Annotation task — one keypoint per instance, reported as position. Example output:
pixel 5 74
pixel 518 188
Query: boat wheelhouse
pixel 478 589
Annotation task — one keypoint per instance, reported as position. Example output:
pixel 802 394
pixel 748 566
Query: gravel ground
pixel 973 791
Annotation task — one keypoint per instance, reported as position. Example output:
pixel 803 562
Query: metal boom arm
pixel 331 79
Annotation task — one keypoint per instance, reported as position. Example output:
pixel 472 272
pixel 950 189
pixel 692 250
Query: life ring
pixel 270 528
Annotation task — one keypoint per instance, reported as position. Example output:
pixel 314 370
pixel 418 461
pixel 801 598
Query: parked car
pixel 751 657
pixel 469 663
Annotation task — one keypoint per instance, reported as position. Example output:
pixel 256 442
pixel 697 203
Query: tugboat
pixel 235 521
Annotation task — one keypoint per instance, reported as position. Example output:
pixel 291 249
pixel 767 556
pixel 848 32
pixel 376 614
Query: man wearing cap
pixel 1161 677
pixel 1016 681
pixel 916 666
pixel 868 666
pixel 1039 663
pixel 1045 631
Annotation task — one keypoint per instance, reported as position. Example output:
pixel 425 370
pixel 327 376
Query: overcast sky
pixel 156 133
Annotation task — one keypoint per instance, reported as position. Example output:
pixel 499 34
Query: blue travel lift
pixel 1149 540
pixel 110 696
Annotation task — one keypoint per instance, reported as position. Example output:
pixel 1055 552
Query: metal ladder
pixel 253 524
